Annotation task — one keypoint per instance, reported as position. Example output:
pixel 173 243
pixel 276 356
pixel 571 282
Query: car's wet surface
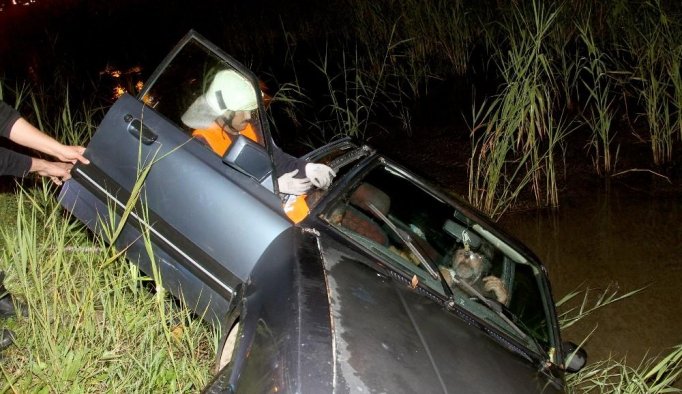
pixel 622 236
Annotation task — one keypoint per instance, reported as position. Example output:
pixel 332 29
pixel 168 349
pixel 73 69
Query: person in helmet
pixel 224 112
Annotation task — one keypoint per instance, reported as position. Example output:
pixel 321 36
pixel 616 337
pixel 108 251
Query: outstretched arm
pixel 17 129
pixel 319 175
pixel 24 133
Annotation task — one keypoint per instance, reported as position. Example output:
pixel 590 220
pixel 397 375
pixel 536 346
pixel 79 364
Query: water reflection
pixel 621 236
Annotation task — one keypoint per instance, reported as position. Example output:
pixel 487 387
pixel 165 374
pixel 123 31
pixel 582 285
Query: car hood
pixel 390 338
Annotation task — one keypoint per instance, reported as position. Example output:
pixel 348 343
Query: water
pixel 622 236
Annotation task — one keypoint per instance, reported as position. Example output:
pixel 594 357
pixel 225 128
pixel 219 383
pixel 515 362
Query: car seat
pixel 356 215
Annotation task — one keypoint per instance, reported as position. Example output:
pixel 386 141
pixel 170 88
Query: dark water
pixel 622 236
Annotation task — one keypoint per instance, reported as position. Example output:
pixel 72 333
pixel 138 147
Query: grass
pixel 516 134
pixel 91 326
pixel 653 374
pixel 599 107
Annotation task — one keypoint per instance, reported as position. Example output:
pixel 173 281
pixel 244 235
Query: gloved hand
pixel 319 174
pixel 290 185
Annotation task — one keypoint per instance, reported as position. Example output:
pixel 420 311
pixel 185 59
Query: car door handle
pixel 139 130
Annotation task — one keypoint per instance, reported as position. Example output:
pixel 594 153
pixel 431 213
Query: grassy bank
pixel 94 323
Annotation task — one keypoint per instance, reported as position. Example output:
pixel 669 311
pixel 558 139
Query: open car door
pixel 208 217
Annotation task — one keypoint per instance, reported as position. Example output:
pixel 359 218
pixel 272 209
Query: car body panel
pixel 390 338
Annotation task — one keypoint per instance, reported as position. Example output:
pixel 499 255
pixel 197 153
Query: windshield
pixel 451 244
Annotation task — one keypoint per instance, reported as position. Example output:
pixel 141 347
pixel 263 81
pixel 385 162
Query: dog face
pixel 467 265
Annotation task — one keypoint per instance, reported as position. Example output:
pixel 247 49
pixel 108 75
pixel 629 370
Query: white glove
pixel 290 185
pixel 319 174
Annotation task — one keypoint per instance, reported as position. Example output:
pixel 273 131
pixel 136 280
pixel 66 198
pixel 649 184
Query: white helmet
pixel 229 91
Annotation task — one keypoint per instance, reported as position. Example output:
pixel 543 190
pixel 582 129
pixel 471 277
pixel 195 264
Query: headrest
pixel 366 194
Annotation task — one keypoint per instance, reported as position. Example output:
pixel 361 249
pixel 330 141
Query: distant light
pixel 150 100
pixel 3 5
pixel 139 85
pixel 119 91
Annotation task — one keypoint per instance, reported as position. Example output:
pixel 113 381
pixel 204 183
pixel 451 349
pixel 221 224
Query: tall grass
pixel 599 107
pixel 653 374
pixel 656 49
pixel 91 326
pixel 440 33
pixel 515 135
pixel 356 90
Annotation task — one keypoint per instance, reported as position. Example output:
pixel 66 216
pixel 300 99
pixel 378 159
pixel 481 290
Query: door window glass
pixel 207 97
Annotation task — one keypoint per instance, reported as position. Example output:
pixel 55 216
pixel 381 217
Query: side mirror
pixel 574 356
pixel 249 158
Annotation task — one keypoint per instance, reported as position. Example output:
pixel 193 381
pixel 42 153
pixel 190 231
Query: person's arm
pixel 284 162
pixel 19 165
pixel 25 134
pixel 319 175
pixel 8 116
pixel 291 173
pixel 18 130
pixel 13 163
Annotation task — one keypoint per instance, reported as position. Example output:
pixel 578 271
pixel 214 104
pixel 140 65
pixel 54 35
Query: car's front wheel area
pixel 220 384
pixel 227 349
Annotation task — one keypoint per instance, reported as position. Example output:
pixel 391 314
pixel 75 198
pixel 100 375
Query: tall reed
pixel 440 33
pixel 656 49
pixel 515 134
pixel 653 375
pixel 599 107
pixel 355 92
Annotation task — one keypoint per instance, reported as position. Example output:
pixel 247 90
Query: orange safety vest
pixel 295 207
pixel 219 141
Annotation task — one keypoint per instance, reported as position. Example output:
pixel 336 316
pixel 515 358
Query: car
pixel 367 292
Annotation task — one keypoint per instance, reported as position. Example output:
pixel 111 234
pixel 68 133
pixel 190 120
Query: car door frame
pixel 188 265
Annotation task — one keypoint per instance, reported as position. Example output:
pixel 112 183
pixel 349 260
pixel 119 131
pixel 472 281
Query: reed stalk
pixel 656 50
pixel 599 107
pixel 514 135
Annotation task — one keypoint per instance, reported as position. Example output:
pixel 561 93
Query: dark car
pixel 386 285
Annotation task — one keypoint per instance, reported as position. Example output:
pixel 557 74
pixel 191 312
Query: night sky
pixel 86 35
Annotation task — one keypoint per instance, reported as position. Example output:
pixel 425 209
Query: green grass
pixel 516 134
pixel 91 326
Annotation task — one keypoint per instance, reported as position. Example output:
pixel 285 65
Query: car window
pixel 192 89
pixel 452 244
